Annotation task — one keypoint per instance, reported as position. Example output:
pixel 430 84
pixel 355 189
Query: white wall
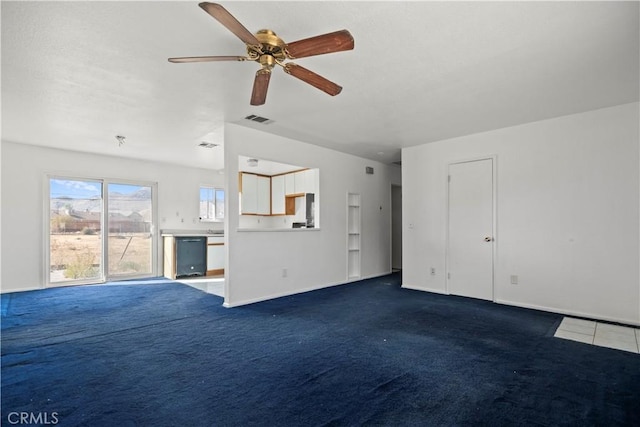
pixel 396 226
pixel 568 219
pixel 1 146
pixel 313 258
pixel 24 168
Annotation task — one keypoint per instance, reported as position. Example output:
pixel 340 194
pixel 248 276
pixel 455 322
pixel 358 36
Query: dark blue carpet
pixel 160 353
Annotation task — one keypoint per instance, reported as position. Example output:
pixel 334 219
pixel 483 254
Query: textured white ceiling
pixel 75 74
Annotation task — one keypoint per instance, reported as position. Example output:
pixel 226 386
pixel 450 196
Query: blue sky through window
pixel 74 189
pixel 82 189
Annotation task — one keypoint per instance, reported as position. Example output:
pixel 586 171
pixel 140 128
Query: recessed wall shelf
pixel 353 236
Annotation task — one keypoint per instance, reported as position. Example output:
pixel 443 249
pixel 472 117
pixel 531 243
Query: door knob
pixel 488 239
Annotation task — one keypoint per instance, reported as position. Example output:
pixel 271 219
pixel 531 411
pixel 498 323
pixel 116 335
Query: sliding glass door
pixel 130 225
pixel 100 230
pixel 75 224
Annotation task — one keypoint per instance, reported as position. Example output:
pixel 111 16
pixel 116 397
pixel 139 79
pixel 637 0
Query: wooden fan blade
pixel 312 78
pixel 319 45
pixel 207 59
pixel 260 87
pixel 225 18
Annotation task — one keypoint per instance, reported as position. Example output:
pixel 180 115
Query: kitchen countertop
pixel 303 229
pixel 179 233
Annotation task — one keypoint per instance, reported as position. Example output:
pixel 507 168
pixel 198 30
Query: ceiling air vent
pixel 207 144
pixel 259 119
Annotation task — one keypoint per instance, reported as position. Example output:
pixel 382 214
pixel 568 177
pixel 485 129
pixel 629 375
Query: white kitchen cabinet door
pixel 310 180
pixel 299 182
pixel 289 184
pixel 264 195
pixel 215 257
pixel 277 195
pixel 249 195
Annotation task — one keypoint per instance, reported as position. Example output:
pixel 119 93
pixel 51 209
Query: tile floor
pixel 208 285
pixel 601 334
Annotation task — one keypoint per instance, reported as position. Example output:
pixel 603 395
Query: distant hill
pixel 125 204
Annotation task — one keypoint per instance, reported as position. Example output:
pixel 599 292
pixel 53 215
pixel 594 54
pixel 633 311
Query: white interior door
pixel 470 251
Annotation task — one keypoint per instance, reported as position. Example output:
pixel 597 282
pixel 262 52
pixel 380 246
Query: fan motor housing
pixel 271 46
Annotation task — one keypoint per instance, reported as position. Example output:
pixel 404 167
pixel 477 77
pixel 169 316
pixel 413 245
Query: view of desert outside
pixel 76 230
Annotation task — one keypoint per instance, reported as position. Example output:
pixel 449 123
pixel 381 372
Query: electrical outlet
pixel 284 272
pixel 514 279
pixel 433 271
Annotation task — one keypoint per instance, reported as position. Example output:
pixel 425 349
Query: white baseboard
pixel 569 312
pixel 417 288
pixel 9 291
pixel 541 308
pixel 297 291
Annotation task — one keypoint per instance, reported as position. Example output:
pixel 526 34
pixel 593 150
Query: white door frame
pixel 494 227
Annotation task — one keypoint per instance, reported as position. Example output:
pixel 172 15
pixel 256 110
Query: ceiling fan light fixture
pixel 266 48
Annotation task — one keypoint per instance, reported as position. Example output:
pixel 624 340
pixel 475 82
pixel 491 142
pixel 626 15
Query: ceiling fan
pixel 266 48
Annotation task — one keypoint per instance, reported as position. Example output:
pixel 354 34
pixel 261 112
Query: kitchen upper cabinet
pixel 310 178
pixel 299 182
pixel 305 181
pixel 278 185
pixel 269 189
pixel 256 194
pixel 249 192
pixel 289 184
pixel 264 195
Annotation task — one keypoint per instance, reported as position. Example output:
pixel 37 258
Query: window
pixel 211 204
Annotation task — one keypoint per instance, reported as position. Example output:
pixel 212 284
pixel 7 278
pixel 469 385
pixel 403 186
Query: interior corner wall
pixel 313 258
pixel 24 170
pixel 1 145
pixel 568 222
pixel 396 175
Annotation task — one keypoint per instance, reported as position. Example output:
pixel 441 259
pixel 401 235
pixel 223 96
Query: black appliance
pixel 310 209
pixel 191 256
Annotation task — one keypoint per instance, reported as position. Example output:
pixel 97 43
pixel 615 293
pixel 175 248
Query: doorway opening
pixel 396 228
